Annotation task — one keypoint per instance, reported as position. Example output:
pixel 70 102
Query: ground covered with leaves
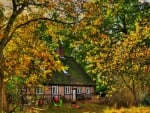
pixel 84 107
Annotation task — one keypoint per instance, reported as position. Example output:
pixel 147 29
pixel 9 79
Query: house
pixel 71 85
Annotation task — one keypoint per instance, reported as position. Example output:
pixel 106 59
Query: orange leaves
pixel 104 36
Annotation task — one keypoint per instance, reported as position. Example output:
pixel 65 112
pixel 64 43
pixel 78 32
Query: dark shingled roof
pixel 75 75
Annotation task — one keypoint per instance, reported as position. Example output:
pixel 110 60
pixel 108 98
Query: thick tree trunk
pixel 3 102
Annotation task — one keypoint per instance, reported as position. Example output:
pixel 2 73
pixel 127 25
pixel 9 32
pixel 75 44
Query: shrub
pixel 121 98
pixel 145 99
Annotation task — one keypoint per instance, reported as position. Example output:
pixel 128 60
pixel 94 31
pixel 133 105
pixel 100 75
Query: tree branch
pixel 6 38
pixel 14 5
pixel 126 84
pixel 17 10
pixel 45 19
pixel 37 19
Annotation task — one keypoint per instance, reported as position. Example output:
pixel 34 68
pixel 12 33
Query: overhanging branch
pixel 43 18
pixel 38 19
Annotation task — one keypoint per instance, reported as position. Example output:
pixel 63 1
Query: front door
pixel 54 91
pixel 74 94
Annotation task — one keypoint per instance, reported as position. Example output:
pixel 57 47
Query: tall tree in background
pixel 110 36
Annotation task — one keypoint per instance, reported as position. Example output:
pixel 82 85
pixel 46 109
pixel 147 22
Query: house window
pixel 55 90
pixel 87 90
pixel 67 89
pixel 39 90
pixel 79 91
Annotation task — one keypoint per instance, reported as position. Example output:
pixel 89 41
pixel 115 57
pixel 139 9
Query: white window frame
pixel 39 90
pixel 88 90
pixel 79 90
pixel 67 89
pixel 54 90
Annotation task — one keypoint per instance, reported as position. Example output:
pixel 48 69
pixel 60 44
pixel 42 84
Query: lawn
pixel 66 108
pixel 85 107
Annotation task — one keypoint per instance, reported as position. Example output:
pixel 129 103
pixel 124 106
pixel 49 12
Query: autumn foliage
pixel 109 38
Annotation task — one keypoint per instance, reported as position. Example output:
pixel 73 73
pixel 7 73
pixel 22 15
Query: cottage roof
pixel 75 75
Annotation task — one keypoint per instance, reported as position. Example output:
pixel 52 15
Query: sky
pixel 5 2
pixel 7 5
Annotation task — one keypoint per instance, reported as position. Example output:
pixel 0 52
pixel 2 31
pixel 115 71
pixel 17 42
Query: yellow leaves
pixel 47 72
pixel 31 58
pixel 82 24
pixel 108 13
pixel 137 27
pixel 136 67
pixel 69 8
pixel 89 59
pixel 88 5
pixel 51 5
pixel 94 71
pixel 97 22
pixel 122 68
pixel 103 55
pixel 93 30
pixel 147 28
pixel 99 66
pixel 85 36
pixel 32 79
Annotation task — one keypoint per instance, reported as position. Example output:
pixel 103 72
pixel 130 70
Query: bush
pixel 121 98
pixel 145 99
pixel 101 88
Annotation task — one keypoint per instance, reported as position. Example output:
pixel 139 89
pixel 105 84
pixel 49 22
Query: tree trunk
pixel 3 102
pixel 134 91
pixel 135 98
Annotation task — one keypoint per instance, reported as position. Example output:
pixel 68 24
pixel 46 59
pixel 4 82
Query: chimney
pixel 60 52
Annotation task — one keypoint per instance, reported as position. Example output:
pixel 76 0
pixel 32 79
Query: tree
pixel 108 46
pixel 24 12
